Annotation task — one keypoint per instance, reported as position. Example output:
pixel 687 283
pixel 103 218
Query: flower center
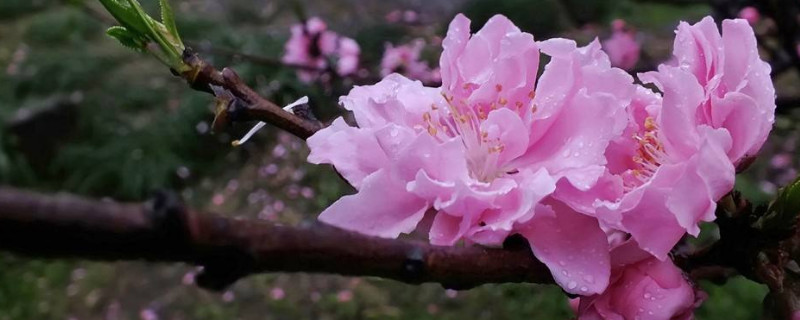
pixel 463 120
pixel 649 154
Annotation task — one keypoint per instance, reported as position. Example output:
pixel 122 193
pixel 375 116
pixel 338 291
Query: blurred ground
pixel 81 114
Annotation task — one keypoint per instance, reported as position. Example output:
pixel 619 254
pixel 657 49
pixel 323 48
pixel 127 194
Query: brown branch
pixel 248 104
pixel 162 230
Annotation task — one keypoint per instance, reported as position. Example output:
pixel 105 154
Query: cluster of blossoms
pixel 405 59
pixel 622 48
pixel 313 46
pixel 602 176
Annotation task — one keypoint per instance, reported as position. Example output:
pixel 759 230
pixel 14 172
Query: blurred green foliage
pixel 80 113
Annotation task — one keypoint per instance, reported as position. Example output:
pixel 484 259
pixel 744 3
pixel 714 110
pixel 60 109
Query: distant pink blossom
pixel 188 278
pixel 277 293
pixel 148 314
pixel 218 199
pixel 407 16
pixel 394 16
pixel 750 14
pixel 405 60
pixel 622 48
pixel 228 296
pixel 313 45
pixel 344 296
pixel 781 160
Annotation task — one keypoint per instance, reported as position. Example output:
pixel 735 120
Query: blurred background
pixel 79 113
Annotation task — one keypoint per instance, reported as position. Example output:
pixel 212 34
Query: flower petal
pixel 572 246
pixel 382 208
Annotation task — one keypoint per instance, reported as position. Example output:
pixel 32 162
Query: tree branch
pixel 247 105
pixel 162 230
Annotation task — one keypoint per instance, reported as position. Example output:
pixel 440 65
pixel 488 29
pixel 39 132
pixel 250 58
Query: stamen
pixel 649 156
pixel 463 120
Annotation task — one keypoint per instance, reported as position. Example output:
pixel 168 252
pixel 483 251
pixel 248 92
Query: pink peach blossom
pixel 717 109
pixel 738 94
pixel 663 186
pixel 485 149
pixel 647 289
pixel 313 45
pixel 622 48
pixel 677 156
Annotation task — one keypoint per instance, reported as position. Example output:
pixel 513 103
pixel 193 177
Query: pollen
pixel 432 130
pixel 650 124
pixel 498 87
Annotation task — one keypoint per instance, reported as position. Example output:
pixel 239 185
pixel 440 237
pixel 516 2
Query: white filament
pixel 261 124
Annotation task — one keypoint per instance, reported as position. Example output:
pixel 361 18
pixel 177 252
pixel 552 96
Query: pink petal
pixel 506 126
pixel 706 179
pixel 682 96
pixel 649 222
pixel 447 230
pixel 572 245
pixel 394 99
pixel 354 152
pixel 747 123
pixel 381 208
pixel 578 138
pixel 457 36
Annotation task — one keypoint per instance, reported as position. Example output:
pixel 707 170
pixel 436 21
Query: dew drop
pixel 572 285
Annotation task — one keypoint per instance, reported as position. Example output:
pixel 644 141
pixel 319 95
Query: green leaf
pixel 154 31
pixel 168 20
pixel 783 212
pixel 126 16
pixel 127 38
